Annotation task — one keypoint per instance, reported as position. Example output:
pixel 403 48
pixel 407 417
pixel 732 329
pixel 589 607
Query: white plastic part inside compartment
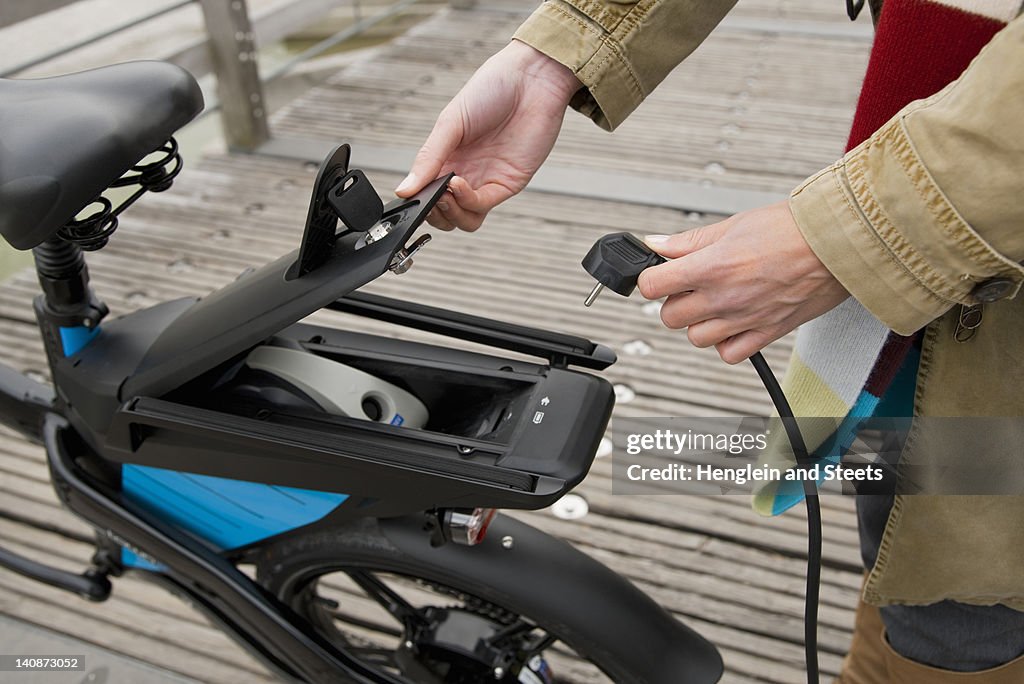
pixel 340 389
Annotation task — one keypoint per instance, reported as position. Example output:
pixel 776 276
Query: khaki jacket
pixel 924 217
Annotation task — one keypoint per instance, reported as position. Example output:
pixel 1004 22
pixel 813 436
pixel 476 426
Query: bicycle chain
pixel 472 603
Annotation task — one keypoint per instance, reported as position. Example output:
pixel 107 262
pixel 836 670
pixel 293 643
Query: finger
pixel 437 219
pixel 444 204
pixel 713 331
pixel 680 275
pixel 440 144
pixel 687 242
pixel 479 200
pixel 744 345
pixel 456 215
pixel 685 309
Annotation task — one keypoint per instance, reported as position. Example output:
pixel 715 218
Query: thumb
pixel 440 144
pixel 681 244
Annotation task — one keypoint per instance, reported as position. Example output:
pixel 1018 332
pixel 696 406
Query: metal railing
pixel 95 38
pixel 228 50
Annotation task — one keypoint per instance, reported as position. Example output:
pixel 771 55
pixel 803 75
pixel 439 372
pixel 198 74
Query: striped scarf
pixel 845 360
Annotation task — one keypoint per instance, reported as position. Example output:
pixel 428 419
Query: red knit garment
pixel 920 47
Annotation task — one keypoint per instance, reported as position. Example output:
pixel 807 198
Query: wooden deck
pixel 765 102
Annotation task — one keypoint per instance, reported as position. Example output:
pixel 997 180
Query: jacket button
pixel 993 289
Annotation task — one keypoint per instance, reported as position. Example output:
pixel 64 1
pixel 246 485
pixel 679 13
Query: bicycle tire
pixel 656 647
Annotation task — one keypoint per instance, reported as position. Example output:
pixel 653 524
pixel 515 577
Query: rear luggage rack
pixel 559 349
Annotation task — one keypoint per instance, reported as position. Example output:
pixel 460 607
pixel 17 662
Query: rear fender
pixel 559 585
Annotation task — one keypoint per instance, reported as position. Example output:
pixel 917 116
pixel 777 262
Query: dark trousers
pixel 948 635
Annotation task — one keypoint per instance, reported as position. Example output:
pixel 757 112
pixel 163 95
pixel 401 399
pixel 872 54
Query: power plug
pixel 616 262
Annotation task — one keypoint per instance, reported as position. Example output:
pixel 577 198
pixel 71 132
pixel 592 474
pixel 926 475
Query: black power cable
pixel 616 261
pixel 796 440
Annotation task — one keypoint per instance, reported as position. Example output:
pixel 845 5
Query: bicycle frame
pixel 132 535
pixel 258 621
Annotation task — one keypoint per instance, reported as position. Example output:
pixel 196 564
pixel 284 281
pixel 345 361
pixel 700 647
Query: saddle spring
pixel 93 231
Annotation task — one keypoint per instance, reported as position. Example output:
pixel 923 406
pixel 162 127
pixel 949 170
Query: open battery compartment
pixel 501 432
pixel 476 405
pixel 470 398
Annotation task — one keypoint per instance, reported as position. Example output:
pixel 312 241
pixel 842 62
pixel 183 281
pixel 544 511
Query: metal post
pixel 233 52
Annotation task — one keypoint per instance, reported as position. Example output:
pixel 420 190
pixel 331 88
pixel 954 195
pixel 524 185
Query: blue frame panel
pixel 74 339
pixel 227 513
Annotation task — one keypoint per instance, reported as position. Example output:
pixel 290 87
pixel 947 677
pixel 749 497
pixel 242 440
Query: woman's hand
pixel 494 135
pixel 742 283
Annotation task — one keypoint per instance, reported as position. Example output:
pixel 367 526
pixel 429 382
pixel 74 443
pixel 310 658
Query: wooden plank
pixel 736 112
pixel 563 180
pixel 128 630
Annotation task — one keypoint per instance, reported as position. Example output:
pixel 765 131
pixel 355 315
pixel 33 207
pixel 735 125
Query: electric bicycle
pixel 350 470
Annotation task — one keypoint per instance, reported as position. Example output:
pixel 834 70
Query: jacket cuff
pixel 611 90
pixel 880 224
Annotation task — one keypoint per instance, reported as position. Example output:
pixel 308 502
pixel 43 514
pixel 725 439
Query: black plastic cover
pixel 264 301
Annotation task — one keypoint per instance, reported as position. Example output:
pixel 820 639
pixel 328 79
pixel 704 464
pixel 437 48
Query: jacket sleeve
pixel 929 211
pixel 619 49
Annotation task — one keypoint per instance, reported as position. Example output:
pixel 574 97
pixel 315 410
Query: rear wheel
pixel 428 623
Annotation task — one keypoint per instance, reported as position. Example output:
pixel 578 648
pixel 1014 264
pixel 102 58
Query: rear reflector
pixel 468 525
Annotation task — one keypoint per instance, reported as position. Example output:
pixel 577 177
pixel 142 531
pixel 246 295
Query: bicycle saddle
pixel 64 140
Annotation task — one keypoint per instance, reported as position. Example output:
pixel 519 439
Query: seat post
pixel 68 311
